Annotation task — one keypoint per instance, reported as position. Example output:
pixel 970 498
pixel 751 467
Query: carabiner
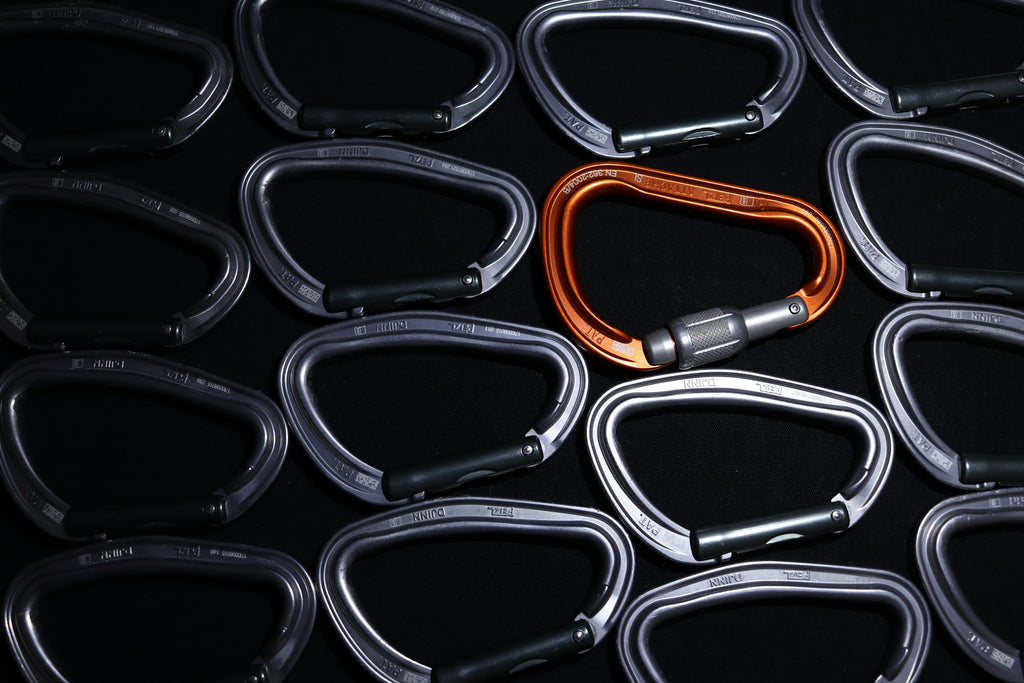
pixel 457 516
pixel 401 484
pixel 84 18
pixel 976 322
pixel 904 101
pixel 699 338
pixel 49 332
pixel 932 143
pixel 736 389
pixel 753 581
pixel 146 373
pixel 144 556
pixel 392 159
pixel 636 139
pixel 945 520
pixel 328 121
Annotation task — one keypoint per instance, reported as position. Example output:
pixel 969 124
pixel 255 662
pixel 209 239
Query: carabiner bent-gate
pixel 632 140
pixel 736 389
pixel 710 335
pixel 392 159
pixel 456 516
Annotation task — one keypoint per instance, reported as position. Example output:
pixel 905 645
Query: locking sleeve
pixel 690 130
pixel 96 520
pixel 958 93
pixel 64 146
pixel 394 293
pixel 348 122
pixel 78 333
pixel 967 283
pixel 713 542
pixel 1006 469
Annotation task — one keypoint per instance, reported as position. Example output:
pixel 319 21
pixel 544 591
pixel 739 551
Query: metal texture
pixel 778 41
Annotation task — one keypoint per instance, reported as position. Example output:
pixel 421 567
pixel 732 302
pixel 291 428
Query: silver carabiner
pixel 945 520
pixel 974 321
pixel 163 555
pixel 931 143
pixel 401 484
pixel 147 373
pixel 84 18
pixel 633 140
pixel 778 581
pixel 394 160
pixel 744 389
pixel 316 120
pixel 54 332
pixel 456 516
pixel 898 102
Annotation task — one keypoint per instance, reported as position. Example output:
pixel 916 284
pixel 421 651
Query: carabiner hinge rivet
pixel 467 280
pixel 437 114
pixel 837 515
pixel 794 308
pixel 527 449
pixel 578 635
pixel 750 115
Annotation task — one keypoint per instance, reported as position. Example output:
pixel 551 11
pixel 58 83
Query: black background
pixel 641 266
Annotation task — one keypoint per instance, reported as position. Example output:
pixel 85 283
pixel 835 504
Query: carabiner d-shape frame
pixel 699 338
pixel 146 556
pixel 613 578
pixel 393 160
pixel 753 581
pixel 974 323
pixel 327 120
pixel 904 101
pixel 49 332
pixel 84 18
pixel 732 389
pixel 138 372
pixel 635 139
pixel 401 484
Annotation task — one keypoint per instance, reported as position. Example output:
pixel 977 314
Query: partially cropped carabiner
pixel 84 18
pixel 699 338
pixel 401 484
pixel 754 581
pixel 395 160
pixel 736 389
pixel 975 322
pixel 344 120
pixel 931 143
pixel 49 331
pixel 634 139
pixel 144 373
pixel 156 555
pixel 904 101
pixel 613 578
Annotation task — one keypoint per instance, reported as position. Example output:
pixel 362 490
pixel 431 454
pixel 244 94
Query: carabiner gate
pixel 699 338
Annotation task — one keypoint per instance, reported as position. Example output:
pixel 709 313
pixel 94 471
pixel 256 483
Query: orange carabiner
pixel 698 338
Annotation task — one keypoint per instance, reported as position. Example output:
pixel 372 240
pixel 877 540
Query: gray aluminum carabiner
pixel 778 581
pixel 945 520
pixel 49 332
pixel 78 18
pixel 158 555
pixel 394 160
pixel 456 516
pixel 143 373
pixel 898 102
pixel 633 140
pixel 736 389
pixel 316 120
pixel 565 403
pixel 976 322
pixel 931 143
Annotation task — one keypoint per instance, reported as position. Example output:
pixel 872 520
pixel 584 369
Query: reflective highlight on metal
pixel 972 323
pixel 770 36
pixel 613 577
pixel 735 389
pixel 556 419
pixel 55 332
pixel 755 581
pixel 139 372
pixel 163 556
pixel 83 18
pixel 345 120
pixel 904 101
pixel 932 144
pixel 944 521
pixel 393 160
pixel 699 338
